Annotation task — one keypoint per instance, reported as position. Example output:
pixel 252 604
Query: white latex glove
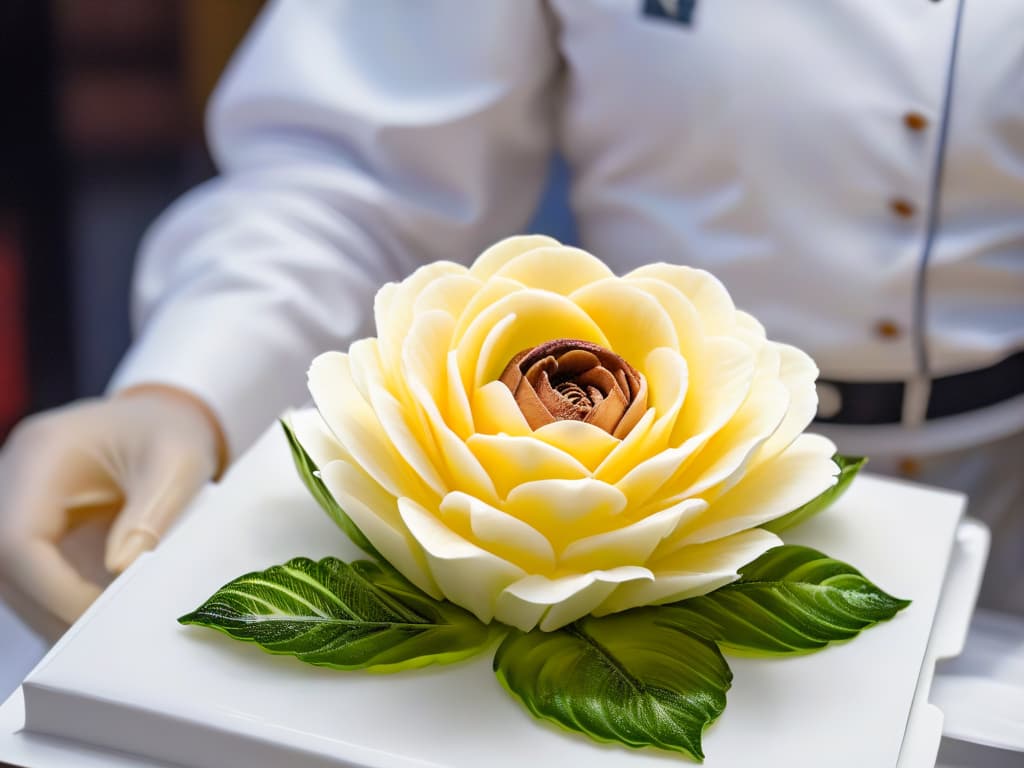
pixel 138 457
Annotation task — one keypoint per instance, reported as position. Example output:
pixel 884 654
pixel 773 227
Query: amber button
pixel 887 329
pixel 902 208
pixel 909 467
pixel 915 121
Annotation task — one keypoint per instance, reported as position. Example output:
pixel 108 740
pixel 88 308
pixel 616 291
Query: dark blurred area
pixel 101 104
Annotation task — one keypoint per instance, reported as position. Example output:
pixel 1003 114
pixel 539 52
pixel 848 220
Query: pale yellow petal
pixel 314 436
pixel 449 293
pixel 729 452
pixel 798 373
pixel 405 426
pixel 749 329
pixel 491 292
pixel 632 320
pixel 704 290
pixel 495 411
pixel 555 602
pixel 588 444
pixel 498 532
pixel 375 512
pixel 684 316
pixel 770 490
pixel 425 353
pixel 358 429
pixel 649 476
pixel 630 451
pixel 693 571
pixel 503 251
pixel 425 373
pixel 467 574
pixel 718 385
pixel 566 509
pixel 513 460
pixel 630 545
pixel 393 309
pixel 716 388
pixel 561 269
pixel 460 415
pixel 667 380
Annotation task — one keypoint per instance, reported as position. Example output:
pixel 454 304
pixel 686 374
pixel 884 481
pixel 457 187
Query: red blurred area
pixel 13 373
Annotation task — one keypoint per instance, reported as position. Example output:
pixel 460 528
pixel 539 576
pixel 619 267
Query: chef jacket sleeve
pixel 355 141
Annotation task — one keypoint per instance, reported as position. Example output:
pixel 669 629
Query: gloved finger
pixel 154 501
pixel 36 567
pixel 36 618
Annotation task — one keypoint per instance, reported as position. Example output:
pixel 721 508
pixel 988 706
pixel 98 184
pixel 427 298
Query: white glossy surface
pixel 128 676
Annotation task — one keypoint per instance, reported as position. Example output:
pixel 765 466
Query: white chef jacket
pixel 852 170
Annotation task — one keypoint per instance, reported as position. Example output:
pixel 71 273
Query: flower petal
pixel 506 536
pixel 629 545
pixel 557 268
pixel 495 411
pixel 769 490
pixel 450 293
pixel 460 415
pixel 584 442
pixel 704 290
pixel 798 373
pixel 692 571
pixel 668 377
pixel 498 255
pixel 684 316
pixel 375 513
pixel 512 460
pixel 718 385
pixel 467 575
pixel 314 436
pixel 632 320
pixel 559 601
pixel 394 304
pixel 358 429
pixel 404 426
pixel 566 509
pixel 423 367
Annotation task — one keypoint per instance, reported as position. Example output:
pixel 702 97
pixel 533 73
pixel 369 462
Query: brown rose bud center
pixel 572 379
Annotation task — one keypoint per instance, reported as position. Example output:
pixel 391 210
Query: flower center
pixel 572 379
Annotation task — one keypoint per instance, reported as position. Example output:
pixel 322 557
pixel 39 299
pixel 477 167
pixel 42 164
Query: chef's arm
pixel 355 141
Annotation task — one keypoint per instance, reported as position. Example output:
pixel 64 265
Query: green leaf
pixel 628 678
pixel 308 472
pixel 360 615
pixel 790 600
pixel 849 466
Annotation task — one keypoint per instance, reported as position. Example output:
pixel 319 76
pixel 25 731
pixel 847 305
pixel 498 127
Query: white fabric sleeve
pixel 355 141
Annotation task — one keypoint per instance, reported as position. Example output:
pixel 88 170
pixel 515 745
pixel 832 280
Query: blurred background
pixel 101 128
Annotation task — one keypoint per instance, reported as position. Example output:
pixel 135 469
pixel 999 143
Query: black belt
pixel 881 402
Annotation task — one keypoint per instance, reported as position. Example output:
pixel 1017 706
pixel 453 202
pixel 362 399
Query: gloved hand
pixel 141 455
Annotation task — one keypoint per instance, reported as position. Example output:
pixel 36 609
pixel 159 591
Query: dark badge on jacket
pixel 672 10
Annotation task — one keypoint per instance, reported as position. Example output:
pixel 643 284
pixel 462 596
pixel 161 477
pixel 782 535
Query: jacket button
pixel 909 467
pixel 915 121
pixel 902 208
pixel 888 330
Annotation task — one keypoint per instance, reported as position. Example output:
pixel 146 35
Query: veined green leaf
pixel 360 615
pixel 849 466
pixel 308 472
pixel 627 678
pixel 790 600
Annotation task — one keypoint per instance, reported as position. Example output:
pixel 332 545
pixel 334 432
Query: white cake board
pixel 128 678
